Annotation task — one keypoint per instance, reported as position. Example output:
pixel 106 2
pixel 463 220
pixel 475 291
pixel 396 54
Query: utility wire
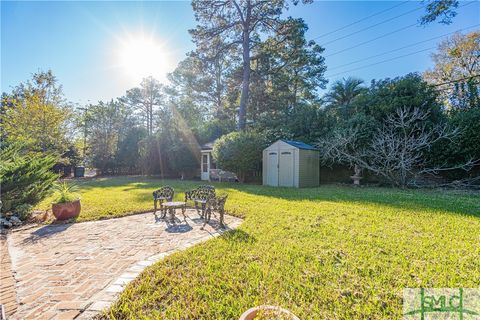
pixel 383 61
pixel 371 40
pixel 372 26
pixel 358 21
pixel 401 48
pixel 386 34
pixel 434 86
pixel 455 81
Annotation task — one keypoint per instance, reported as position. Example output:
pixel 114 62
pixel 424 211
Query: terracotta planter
pixel 271 312
pixel 67 210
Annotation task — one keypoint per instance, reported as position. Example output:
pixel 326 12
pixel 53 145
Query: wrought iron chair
pixel 200 197
pixel 164 194
pixel 216 204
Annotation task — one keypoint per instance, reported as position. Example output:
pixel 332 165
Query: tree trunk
pixel 242 112
pixel 151 119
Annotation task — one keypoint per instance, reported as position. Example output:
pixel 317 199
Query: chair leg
pixel 222 212
pixel 163 210
pixel 208 213
pixel 183 213
pixel 196 206
pixel 154 206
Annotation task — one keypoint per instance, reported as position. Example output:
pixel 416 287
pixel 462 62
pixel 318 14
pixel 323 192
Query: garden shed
pixel 289 163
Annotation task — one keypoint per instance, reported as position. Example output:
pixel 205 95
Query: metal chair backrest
pixel 164 193
pixel 218 202
pixel 202 193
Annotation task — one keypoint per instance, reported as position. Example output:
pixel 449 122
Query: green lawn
pixel 325 253
pixel 119 196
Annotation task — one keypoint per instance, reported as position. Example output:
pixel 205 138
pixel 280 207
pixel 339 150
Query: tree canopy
pixel 36 115
pixel 240 25
pixel 456 71
pixel 252 78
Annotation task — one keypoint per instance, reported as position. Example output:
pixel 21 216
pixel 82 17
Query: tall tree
pixel 42 127
pixel 342 94
pixel 287 71
pixel 200 80
pixel 146 99
pixel 36 114
pixel 44 85
pixel 445 10
pixel 456 72
pixel 214 65
pixel 180 147
pixel 239 23
pixel 128 155
pixel 108 123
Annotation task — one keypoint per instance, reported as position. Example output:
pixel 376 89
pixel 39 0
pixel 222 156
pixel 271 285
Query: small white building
pixel 291 164
pixel 207 162
pixel 208 168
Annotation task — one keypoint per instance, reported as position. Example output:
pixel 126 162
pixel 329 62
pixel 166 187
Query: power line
pixel 358 21
pixel 385 35
pixel 401 48
pixel 372 26
pixel 383 61
pixel 371 40
pixel 433 86
pixel 455 81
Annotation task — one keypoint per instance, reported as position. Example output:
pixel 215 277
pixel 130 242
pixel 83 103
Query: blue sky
pixel 82 41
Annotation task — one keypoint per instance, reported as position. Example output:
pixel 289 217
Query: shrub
pixel 23 211
pixel 240 152
pixel 26 178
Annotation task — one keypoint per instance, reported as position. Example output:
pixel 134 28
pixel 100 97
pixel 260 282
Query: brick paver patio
pixel 75 270
pixel 7 283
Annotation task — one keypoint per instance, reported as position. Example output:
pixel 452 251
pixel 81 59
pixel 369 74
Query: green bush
pixel 24 211
pixel 239 152
pixel 468 141
pixel 463 147
pixel 26 178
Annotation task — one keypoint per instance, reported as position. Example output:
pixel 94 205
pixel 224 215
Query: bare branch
pixel 396 151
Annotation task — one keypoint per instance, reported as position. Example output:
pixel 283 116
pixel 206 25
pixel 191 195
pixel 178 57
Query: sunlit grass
pixel 325 253
pixel 114 197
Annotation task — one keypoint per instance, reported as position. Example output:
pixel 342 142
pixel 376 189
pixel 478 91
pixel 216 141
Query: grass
pixel 324 253
pixel 104 198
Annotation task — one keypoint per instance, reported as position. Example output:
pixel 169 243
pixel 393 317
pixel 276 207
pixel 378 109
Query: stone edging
pixel 8 293
pixel 105 298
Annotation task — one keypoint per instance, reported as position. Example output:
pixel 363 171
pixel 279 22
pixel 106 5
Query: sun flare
pixel 141 57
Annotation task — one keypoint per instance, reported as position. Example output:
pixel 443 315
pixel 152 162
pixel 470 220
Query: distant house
pixel 208 167
pixel 289 163
pixel 207 162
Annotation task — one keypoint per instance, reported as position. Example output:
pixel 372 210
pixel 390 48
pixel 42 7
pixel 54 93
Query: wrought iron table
pixel 172 206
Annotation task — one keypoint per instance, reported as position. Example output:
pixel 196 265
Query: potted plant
pixel 268 313
pixel 67 205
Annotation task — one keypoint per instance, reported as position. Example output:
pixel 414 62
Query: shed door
pixel 272 168
pixel 205 166
pixel 286 168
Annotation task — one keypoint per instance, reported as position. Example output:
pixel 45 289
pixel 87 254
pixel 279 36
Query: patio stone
pixel 69 271
pixel 7 282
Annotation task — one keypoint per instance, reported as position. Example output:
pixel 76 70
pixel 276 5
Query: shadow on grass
pixel 137 182
pixel 430 200
pixel 454 202
pixel 237 235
